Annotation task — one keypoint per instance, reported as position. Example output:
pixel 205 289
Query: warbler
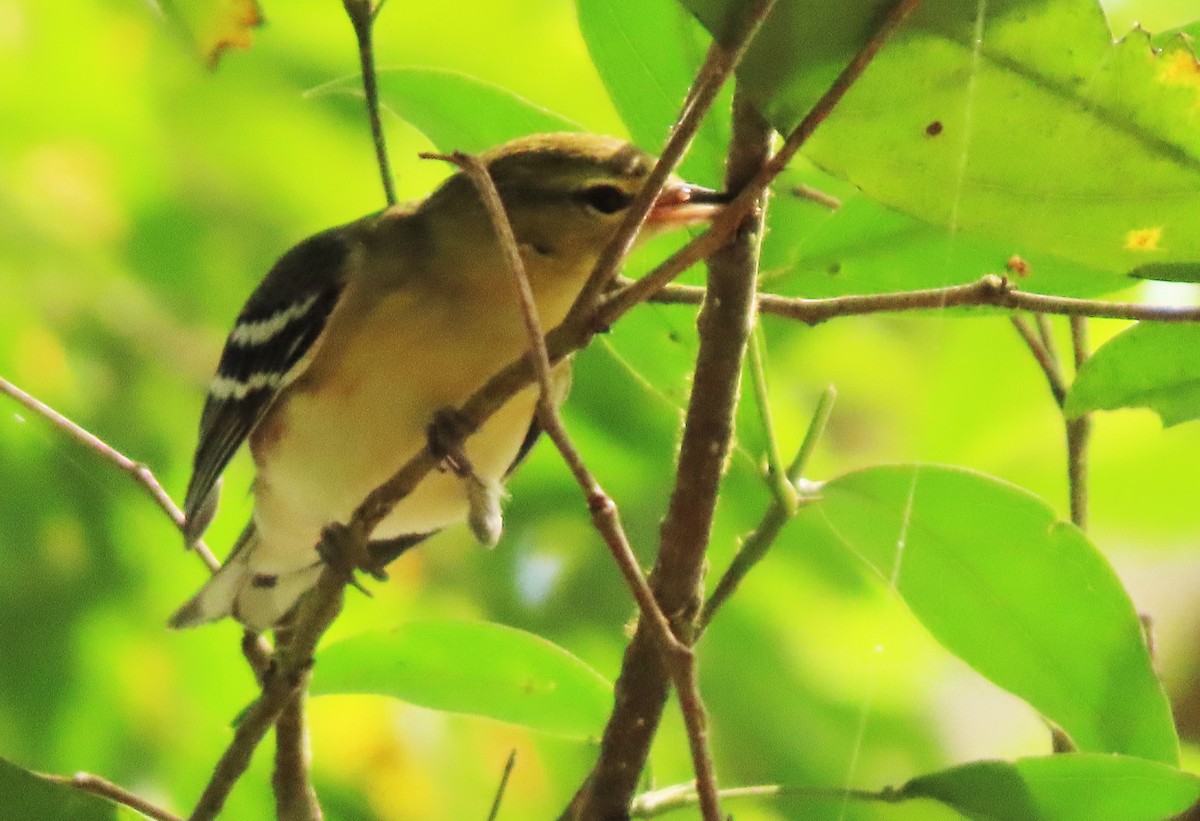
pixel 361 334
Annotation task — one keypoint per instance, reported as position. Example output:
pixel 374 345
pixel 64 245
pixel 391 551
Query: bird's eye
pixel 607 199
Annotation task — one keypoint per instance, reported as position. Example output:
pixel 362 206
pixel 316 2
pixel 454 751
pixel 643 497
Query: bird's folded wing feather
pixel 268 347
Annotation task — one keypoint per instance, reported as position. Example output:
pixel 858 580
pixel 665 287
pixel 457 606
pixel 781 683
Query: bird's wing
pixel 268 347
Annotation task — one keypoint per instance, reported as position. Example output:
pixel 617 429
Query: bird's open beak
pixel 681 204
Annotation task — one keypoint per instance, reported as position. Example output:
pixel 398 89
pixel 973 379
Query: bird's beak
pixel 681 204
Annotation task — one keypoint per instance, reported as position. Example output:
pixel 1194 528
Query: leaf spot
pixel 1143 239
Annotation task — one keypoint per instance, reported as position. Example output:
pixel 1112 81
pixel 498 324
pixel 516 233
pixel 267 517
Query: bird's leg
pixel 446 434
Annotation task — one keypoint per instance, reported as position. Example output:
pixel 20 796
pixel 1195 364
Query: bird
pixel 359 336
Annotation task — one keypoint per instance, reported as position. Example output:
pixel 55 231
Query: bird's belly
pixel 333 440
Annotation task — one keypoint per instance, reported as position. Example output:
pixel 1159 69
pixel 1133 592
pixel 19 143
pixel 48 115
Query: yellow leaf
pixel 215 25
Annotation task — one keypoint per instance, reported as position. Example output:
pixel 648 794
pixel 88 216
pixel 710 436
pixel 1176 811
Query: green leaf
pixel 1074 787
pixel 647 57
pixel 471 667
pixel 1151 365
pixel 647 54
pixel 1020 596
pixel 455 111
pixel 864 247
pixel 31 798
pixel 1047 137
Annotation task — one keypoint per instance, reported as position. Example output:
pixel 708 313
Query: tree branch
pixel 989 290
pixel 676 658
pixel 287 677
pixel 135 470
pixel 604 510
pixel 295 798
pixel 725 322
pixel 1045 359
pixel 95 785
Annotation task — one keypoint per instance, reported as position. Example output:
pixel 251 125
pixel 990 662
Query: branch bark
pixel 989 290
pixel 725 321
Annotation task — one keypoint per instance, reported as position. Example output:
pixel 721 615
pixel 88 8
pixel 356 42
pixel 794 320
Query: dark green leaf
pixel 1150 365
pixel 471 667
pixel 1022 597
pixel 1075 787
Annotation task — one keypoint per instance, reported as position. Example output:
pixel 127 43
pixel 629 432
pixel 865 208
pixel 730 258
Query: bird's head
pixel 565 195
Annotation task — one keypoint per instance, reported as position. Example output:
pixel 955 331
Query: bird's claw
pixel 446 434
pixel 341 549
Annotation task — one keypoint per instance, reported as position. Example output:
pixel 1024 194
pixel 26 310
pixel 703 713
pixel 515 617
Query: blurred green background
pixel 142 197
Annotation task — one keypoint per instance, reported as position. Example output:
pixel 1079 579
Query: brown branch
pixel 1079 432
pixel 95 785
pixel 987 291
pixel 778 513
pixel 603 508
pixel 362 18
pixel 288 677
pixel 718 66
pixel 725 322
pixel 295 798
pixel 676 658
pixel 1044 358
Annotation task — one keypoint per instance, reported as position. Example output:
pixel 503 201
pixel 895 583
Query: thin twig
pixel 95 785
pixel 1046 334
pixel 362 18
pixel 603 508
pixel 136 470
pixel 1045 360
pixel 989 290
pixel 682 796
pixel 1079 432
pixel 807 192
pixel 503 787
pixel 718 66
pixel 777 479
pixel 777 515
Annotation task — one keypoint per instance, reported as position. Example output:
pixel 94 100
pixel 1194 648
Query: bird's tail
pixel 217 597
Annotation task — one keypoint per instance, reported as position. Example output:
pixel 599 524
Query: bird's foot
pixel 446 434
pixel 346 552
